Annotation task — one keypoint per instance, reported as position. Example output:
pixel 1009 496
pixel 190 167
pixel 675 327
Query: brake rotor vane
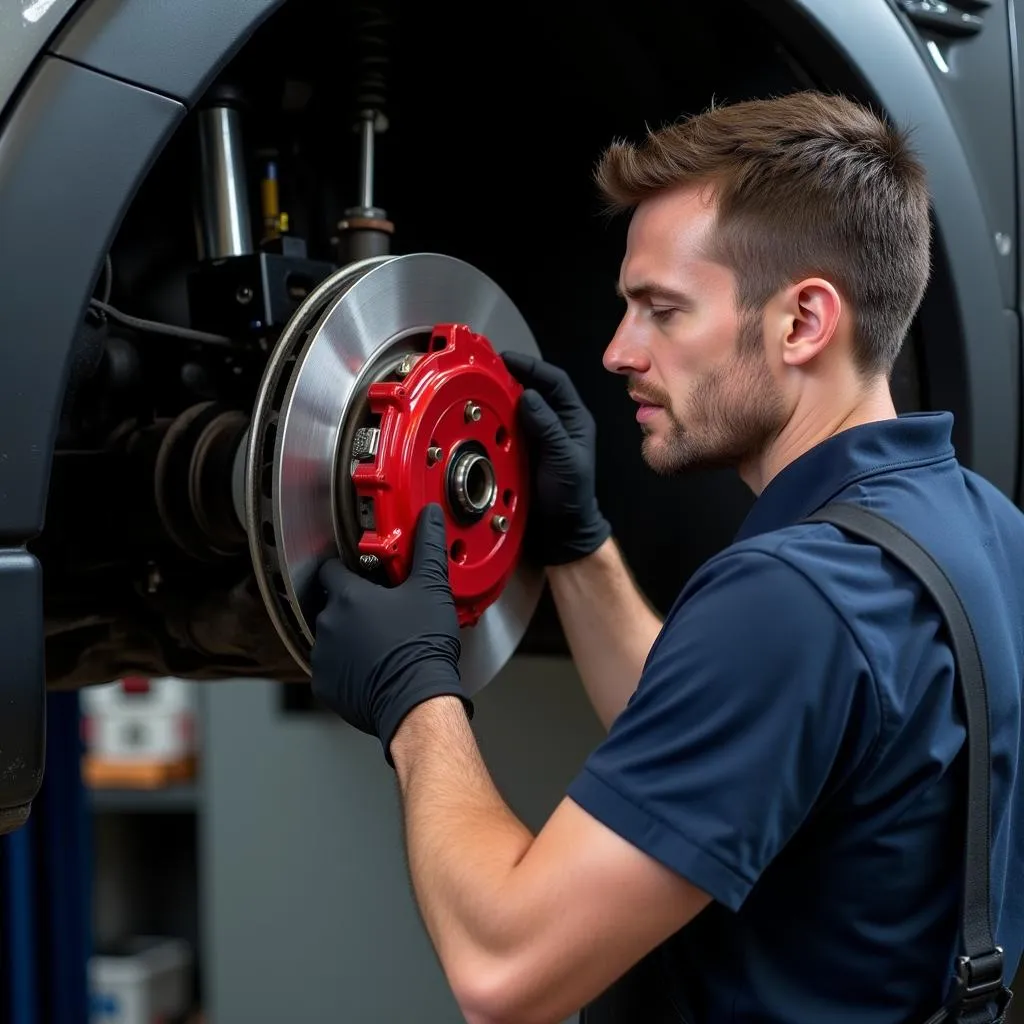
pixel 447 434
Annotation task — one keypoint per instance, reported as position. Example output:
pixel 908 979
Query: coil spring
pixel 372 61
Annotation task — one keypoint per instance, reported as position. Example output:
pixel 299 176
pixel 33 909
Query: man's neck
pixel 814 421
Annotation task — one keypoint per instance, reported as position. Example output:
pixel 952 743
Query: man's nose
pixel 625 352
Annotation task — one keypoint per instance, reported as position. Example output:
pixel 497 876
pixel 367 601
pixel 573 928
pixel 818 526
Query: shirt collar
pixel 817 476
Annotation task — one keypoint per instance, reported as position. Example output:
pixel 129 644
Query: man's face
pixel 697 368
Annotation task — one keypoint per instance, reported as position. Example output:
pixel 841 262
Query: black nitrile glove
pixel 565 523
pixel 381 650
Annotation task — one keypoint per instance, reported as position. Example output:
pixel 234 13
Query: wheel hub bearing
pixel 384 393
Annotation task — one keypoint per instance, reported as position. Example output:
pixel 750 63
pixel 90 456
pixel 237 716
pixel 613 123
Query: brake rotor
pixel 386 392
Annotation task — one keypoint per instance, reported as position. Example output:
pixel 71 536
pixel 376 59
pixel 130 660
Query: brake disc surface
pixel 385 357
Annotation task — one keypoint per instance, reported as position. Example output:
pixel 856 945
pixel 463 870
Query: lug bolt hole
pixel 501 437
pixel 458 551
pixel 508 497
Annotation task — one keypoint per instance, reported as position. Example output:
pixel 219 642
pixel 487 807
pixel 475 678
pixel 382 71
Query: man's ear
pixel 811 311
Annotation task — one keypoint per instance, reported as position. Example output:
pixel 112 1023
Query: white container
pixel 149 982
pixel 136 719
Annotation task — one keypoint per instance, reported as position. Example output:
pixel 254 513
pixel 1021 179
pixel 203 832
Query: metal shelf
pixel 176 798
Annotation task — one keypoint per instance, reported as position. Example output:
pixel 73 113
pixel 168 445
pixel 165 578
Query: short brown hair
pixel 806 184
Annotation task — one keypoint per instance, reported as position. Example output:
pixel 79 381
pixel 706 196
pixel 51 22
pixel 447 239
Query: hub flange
pixel 447 434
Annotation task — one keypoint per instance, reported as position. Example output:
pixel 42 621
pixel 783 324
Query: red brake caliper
pixel 448 434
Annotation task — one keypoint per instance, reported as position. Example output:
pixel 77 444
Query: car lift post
pixel 47 920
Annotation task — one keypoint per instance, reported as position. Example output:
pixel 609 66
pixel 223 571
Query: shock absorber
pixel 225 201
pixel 365 230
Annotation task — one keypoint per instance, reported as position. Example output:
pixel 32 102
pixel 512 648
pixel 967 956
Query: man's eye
pixel 661 314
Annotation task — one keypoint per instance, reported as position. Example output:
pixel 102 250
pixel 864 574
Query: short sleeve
pixel 755 697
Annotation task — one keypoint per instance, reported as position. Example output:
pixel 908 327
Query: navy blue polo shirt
pixel 791 747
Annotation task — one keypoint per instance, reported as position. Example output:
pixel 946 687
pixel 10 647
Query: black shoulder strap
pixel 980 970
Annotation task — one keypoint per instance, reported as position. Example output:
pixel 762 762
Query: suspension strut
pixel 364 230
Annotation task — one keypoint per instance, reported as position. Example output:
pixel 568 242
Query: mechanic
pixel 772 829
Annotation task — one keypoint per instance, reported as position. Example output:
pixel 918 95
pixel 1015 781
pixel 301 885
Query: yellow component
pixel 271 211
pixel 283 223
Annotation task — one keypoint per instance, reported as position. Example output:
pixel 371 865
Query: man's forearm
pixel 463 842
pixel 608 624
pixel 528 929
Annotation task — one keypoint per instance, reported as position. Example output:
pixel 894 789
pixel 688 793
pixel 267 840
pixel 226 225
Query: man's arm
pixel 527 929
pixel 709 771
pixel 608 624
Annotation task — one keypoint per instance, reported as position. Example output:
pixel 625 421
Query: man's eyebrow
pixel 652 290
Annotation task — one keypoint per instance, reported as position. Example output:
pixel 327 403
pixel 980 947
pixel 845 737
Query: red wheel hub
pixel 448 434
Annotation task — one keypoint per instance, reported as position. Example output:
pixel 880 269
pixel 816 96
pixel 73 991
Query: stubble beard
pixel 732 413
